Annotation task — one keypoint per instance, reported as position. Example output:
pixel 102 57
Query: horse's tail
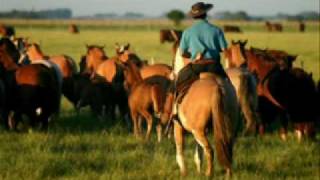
pixel 222 125
pixel 248 101
pixel 156 97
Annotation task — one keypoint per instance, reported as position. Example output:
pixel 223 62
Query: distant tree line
pixel 127 15
pixel 61 13
pixel 242 15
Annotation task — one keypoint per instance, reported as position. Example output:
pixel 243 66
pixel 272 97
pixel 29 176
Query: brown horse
pixel 156 70
pixel 280 91
pixel 11 49
pixel 235 59
pixel 282 58
pixel 7 31
pixel 94 57
pixel 146 97
pixel 2 99
pixel 65 63
pixel 231 28
pixel 277 27
pixel 32 90
pixel 73 29
pixel 108 69
pixel 170 35
pixel 210 102
pixel 302 26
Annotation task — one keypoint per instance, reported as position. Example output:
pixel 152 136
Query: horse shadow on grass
pixel 84 122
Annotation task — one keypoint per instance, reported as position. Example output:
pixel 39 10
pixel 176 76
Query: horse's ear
pixel 87 46
pixel 127 46
pixel 244 42
pixel 233 42
pixel 292 57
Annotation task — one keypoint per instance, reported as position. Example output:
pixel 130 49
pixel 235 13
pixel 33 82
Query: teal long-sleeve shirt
pixel 205 38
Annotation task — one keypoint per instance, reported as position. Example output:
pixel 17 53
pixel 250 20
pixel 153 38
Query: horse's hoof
pixel 228 173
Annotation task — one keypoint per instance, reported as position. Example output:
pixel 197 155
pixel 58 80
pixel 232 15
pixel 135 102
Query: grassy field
pixel 82 147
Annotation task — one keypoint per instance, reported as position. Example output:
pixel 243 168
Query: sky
pixel 160 7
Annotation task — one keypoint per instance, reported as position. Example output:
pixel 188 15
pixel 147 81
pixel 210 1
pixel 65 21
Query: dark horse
pixel 231 28
pixel 288 92
pixel 31 90
pixel 7 31
pixel 277 27
pixel 170 35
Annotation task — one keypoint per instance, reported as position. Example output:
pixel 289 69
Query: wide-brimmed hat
pixel 199 9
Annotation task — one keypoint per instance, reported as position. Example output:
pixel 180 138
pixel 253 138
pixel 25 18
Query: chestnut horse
pixel 210 102
pixel 94 57
pixel 235 59
pixel 281 91
pixel 156 70
pixel 31 90
pixel 145 99
pixel 64 64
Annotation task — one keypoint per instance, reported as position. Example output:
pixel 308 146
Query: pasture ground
pixel 82 147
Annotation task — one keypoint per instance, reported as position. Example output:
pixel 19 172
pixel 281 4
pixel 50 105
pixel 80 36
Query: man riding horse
pixel 200 48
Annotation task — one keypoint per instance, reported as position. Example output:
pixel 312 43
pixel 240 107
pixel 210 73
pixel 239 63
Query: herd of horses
pixel 262 86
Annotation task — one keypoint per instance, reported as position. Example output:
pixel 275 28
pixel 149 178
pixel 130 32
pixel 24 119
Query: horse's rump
pixel 212 98
pixel 155 69
pixel 65 63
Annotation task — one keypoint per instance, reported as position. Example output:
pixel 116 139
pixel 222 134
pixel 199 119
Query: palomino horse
pixel 280 92
pixel 210 102
pixel 145 98
pixel 32 90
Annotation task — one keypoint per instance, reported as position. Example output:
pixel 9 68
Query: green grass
pixel 82 147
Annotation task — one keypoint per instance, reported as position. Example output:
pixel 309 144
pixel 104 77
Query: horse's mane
pixel 90 47
pixel 134 69
pixel 36 47
pixel 263 55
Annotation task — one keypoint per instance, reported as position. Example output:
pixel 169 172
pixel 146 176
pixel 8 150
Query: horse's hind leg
pixel 134 117
pixel 148 118
pixel 178 136
pixel 198 157
pixel 204 143
pixel 159 132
